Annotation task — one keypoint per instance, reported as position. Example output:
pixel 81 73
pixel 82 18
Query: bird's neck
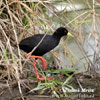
pixel 57 36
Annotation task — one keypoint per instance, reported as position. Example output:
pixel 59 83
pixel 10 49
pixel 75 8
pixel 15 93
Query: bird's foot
pixel 44 63
pixel 43 79
pixel 37 74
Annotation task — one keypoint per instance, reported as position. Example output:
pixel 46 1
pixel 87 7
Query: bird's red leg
pixel 44 63
pixel 37 75
pixel 40 58
pixel 43 60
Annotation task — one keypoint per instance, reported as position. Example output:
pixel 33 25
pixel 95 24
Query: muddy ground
pixel 84 80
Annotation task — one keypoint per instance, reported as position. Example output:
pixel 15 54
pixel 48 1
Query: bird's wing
pixel 47 44
pixel 29 43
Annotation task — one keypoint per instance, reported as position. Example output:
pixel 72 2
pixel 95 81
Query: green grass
pixel 20 19
pixel 56 84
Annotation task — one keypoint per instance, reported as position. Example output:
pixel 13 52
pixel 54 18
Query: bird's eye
pixel 65 31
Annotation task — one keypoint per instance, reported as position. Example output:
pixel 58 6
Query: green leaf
pixel 39 87
pixel 83 21
pixel 61 70
pixel 67 80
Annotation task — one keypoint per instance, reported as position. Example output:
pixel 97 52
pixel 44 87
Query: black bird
pixel 45 44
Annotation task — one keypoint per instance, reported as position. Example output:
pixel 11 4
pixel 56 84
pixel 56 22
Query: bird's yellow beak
pixel 69 34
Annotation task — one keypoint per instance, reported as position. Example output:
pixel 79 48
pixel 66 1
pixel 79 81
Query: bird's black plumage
pixel 49 42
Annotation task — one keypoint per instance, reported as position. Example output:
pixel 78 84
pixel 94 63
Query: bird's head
pixel 61 32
